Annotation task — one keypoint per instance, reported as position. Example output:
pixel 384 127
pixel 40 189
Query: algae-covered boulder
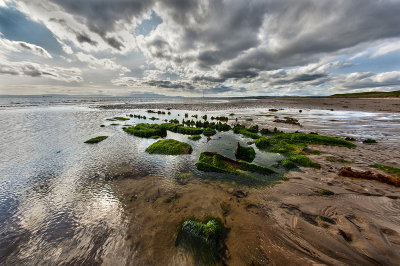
pixel 203 238
pixel 169 147
pixel 245 153
pixel 214 162
pixel 209 132
pixel 146 130
pixel 96 139
pixel 195 137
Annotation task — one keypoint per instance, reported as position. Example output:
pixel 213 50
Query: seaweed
pixel 209 132
pixel 215 162
pixel 182 129
pixel 204 238
pixel 120 118
pixel 169 147
pixel 146 130
pixel 195 137
pixel 240 129
pixel 369 141
pixel 387 169
pixel 96 139
pixel 245 153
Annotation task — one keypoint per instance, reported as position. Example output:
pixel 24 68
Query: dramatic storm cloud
pixel 195 47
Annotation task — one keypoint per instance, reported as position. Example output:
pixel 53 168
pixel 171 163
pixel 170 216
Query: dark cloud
pixel 114 43
pixel 208 79
pixel 82 38
pixel 102 15
pixel 169 84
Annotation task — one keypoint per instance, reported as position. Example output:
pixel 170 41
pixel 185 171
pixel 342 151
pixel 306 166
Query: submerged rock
pixel 203 238
pixel 146 130
pixel 214 162
pixel 245 153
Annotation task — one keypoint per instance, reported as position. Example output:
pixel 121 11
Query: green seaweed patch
pixel 204 238
pixel 209 132
pixel 305 139
pixel 349 139
pixel 169 147
pixel 288 164
pixel 215 162
pixel 245 153
pixel 182 129
pixel 327 192
pixel 369 141
pixel 111 119
pixel 114 124
pixel 120 118
pixel 146 130
pixel 387 169
pixel 195 137
pixel 240 129
pixel 249 119
pixel 96 139
pixel 304 161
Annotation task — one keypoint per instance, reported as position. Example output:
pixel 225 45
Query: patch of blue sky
pixel 16 26
pixel 148 25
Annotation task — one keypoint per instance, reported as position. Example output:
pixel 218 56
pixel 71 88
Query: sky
pixel 214 48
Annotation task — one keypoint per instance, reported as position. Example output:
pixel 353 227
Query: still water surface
pixel 58 202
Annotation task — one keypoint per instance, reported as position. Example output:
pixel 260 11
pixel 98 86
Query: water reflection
pixel 58 201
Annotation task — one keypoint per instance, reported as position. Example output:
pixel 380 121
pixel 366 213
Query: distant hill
pixel 372 94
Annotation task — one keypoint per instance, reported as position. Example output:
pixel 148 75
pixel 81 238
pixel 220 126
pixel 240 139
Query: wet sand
pixel 277 225
pixel 211 104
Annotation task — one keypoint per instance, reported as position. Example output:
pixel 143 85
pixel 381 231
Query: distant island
pixel 372 94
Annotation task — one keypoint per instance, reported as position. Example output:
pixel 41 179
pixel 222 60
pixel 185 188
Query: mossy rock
pixel 369 141
pixel 121 118
pixel 169 147
pixel 209 132
pixel 96 139
pixel 215 162
pixel 195 137
pixel 387 169
pixel 245 153
pixel 181 129
pixel 146 130
pixel 203 238
pixel 239 129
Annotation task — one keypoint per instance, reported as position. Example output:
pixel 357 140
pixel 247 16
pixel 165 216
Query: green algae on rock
pixel 215 162
pixel 240 129
pixel 387 169
pixel 96 139
pixel 195 137
pixel 203 238
pixel 209 132
pixel 169 147
pixel 245 153
pixel 120 118
pixel 146 130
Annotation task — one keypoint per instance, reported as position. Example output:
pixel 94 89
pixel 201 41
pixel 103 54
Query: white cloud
pixel 103 63
pixel 388 48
